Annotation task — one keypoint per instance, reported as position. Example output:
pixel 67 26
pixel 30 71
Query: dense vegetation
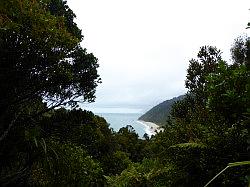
pixel 43 69
pixel 160 113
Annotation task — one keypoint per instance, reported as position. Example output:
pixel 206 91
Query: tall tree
pixel 42 66
pixel 241 51
pixel 208 58
pixel 41 57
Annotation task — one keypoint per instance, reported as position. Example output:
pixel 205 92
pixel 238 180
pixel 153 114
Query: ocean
pixel 119 120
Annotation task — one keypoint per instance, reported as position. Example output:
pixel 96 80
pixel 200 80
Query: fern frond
pixel 189 145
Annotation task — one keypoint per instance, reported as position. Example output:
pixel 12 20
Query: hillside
pixel 159 113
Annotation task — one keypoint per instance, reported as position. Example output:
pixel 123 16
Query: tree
pixel 128 141
pixel 208 128
pixel 72 166
pixel 241 51
pixel 208 58
pixel 42 66
pixel 41 56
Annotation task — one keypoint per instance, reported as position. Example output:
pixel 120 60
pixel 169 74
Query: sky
pixel 144 46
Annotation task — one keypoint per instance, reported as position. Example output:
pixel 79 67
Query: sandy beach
pixel 152 128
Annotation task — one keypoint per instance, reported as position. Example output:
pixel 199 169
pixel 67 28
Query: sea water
pixel 119 120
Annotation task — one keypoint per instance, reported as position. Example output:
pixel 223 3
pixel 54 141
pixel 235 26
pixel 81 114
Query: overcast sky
pixel 144 46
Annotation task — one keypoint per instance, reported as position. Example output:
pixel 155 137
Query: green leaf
pixel 228 166
pixel 35 140
pixel 239 163
pixel 43 143
pixel 189 145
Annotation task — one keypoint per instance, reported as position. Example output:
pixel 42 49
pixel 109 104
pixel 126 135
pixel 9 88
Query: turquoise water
pixel 119 120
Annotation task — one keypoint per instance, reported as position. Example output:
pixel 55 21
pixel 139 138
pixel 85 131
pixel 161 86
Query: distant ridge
pixel 159 113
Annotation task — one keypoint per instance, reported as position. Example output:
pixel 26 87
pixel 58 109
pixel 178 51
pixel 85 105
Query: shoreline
pixel 151 128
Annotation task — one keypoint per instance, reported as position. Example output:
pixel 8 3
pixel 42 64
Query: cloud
pixel 144 46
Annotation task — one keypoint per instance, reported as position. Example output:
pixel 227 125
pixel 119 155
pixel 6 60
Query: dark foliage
pixel 43 67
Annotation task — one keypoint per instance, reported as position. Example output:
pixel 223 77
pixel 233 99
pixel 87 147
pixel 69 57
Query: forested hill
pixel 159 113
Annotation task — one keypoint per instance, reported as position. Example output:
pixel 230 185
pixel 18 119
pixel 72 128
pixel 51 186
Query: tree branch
pixel 6 132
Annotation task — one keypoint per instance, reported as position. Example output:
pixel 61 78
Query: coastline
pixel 151 128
